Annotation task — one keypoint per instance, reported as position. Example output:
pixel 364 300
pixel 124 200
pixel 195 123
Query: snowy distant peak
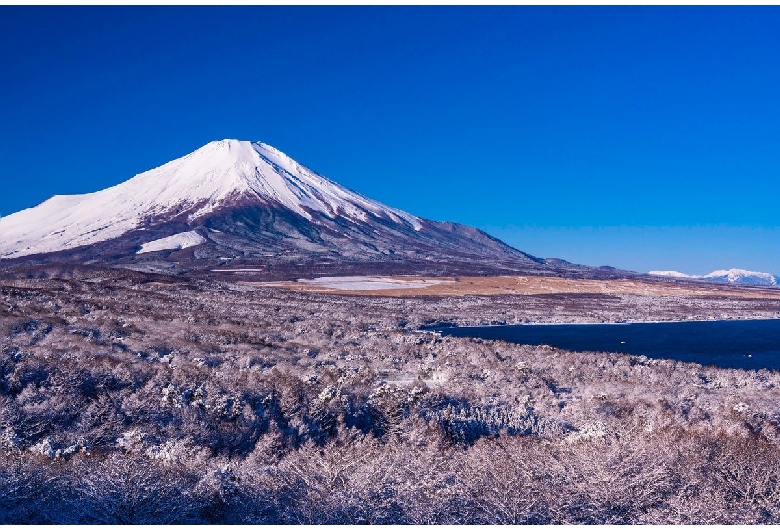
pixel 671 274
pixel 738 276
pixel 220 173
pixel 742 276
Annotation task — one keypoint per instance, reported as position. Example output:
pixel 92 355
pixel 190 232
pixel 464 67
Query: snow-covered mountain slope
pixel 736 276
pixel 197 184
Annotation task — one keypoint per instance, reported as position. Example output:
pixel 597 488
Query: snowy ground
pixel 370 283
pixel 238 270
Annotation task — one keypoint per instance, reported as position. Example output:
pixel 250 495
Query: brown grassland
pixel 536 285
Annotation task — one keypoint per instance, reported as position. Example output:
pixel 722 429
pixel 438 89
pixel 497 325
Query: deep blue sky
pixel 639 137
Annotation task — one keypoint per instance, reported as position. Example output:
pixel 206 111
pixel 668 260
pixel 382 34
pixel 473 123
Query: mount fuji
pixel 232 205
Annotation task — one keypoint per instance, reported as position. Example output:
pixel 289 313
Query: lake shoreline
pixel 733 343
pixel 627 322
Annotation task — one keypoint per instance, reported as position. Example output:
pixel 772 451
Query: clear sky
pixel 638 137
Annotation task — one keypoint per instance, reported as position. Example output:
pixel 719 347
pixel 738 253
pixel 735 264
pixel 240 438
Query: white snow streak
pixel 174 242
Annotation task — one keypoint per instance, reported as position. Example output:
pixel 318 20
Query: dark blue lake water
pixel 747 344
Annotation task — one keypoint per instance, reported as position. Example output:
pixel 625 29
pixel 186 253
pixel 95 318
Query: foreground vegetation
pixel 131 399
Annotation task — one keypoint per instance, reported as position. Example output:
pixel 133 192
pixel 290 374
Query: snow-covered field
pixel 370 283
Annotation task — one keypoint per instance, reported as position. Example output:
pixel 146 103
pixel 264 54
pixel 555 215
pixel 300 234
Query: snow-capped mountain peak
pixel 671 274
pixel 737 276
pixel 742 276
pixel 195 185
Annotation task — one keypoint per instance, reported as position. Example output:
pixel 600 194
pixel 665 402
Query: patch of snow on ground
pixel 174 242
pixel 237 270
pixel 370 283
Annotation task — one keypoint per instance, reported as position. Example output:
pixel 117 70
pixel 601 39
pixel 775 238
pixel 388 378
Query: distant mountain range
pixel 235 205
pixel 734 276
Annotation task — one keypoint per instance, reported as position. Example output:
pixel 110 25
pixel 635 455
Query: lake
pixel 747 344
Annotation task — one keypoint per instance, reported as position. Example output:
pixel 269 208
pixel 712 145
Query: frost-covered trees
pixel 126 400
